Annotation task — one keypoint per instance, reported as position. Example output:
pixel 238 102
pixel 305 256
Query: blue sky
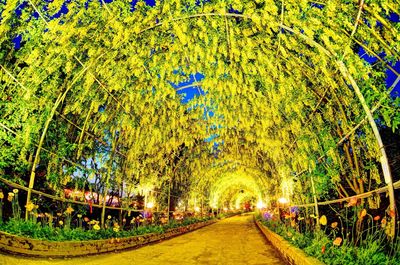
pixel 190 92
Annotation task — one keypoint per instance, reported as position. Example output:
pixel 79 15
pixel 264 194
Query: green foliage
pixel 94 89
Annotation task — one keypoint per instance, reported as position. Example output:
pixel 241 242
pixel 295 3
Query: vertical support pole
pixel 107 184
pixel 201 210
pixel 103 209
pixel 145 201
pixel 315 202
pixel 169 197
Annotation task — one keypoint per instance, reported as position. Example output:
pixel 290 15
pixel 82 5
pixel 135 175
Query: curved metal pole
pixel 60 99
pixel 384 160
pixel 39 148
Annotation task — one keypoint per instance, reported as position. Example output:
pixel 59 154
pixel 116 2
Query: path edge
pixel 288 252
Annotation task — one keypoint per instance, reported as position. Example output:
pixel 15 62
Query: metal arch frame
pixel 346 75
pixel 340 64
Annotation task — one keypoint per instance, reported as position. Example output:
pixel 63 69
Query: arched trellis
pixel 346 75
pixel 239 198
pixel 341 67
pixel 231 180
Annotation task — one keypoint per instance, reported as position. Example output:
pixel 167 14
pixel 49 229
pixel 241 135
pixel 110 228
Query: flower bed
pixel 46 248
pixel 36 230
pixel 330 249
pixel 290 253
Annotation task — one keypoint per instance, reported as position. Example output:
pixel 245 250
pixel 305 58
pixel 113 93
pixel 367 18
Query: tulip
pixel 337 241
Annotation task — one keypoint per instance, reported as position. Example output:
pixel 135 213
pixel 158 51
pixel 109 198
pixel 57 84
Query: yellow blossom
pixel 61 222
pixel 30 206
pixel 323 220
pixel 383 222
pixel 15 191
pixel 10 196
pixel 79 215
pixel 96 227
pixel 109 217
pixel 69 210
pixel 334 225
pixel 1 195
pixel 116 229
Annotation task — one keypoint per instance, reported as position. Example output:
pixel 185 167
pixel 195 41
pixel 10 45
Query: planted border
pixel 290 253
pixel 43 248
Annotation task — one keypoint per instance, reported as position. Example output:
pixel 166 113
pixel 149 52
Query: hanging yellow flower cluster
pixel 97 80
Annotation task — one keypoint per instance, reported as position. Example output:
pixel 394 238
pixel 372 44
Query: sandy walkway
pixel 234 240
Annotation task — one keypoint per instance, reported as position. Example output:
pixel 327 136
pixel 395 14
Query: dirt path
pixel 233 241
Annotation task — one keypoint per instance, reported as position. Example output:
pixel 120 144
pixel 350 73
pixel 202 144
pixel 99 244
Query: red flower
pixel 377 218
pixel 323 249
